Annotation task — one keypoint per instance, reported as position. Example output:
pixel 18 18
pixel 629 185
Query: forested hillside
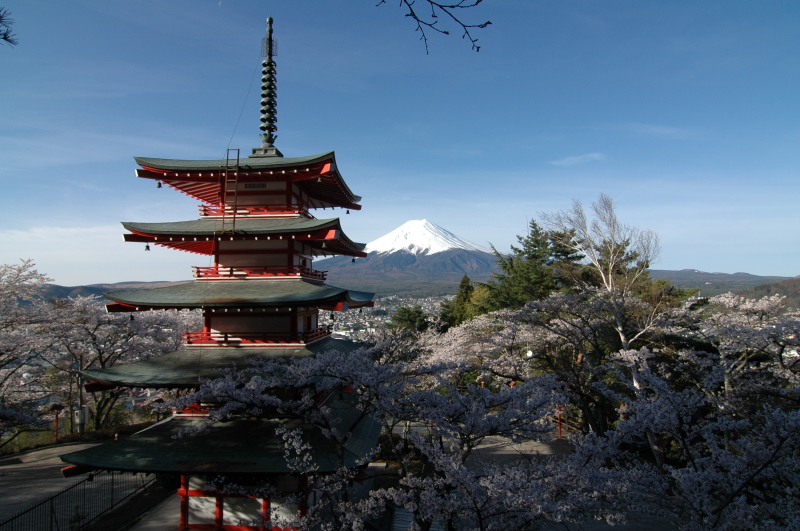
pixel 789 288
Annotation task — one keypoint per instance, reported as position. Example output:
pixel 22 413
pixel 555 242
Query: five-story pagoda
pixel 260 297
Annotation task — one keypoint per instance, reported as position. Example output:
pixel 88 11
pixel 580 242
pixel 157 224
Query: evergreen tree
pixel 408 318
pixel 539 266
pixel 470 301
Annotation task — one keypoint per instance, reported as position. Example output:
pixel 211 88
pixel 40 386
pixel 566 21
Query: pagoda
pixel 261 297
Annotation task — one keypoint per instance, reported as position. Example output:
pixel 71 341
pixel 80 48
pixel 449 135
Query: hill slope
pixel 405 273
pixel 789 288
pixel 713 283
pixel 54 291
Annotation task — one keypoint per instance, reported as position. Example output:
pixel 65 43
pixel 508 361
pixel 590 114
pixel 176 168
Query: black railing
pixel 77 506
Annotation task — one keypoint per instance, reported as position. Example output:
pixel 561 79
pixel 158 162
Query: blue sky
pixel 686 113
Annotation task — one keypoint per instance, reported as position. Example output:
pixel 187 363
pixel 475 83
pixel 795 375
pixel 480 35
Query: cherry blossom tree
pixel 434 424
pixel 712 386
pixel 20 347
pixel 82 335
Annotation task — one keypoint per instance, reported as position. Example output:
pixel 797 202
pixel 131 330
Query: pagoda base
pixel 201 508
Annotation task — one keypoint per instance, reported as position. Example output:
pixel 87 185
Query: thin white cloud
pixel 580 159
pixel 663 131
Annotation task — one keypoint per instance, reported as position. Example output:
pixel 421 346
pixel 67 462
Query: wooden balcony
pixel 254 339
pixel 243 273
pixel 218 211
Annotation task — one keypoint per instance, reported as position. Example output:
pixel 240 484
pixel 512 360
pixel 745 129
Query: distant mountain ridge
pixel 713 283
pixel 54 291
pixel 405 273
pixel 420 259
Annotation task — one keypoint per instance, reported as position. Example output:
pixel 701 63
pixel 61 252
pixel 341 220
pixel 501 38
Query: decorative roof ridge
pixel 269 97
pixel 295 224
pixel 238 293
pixel 156 163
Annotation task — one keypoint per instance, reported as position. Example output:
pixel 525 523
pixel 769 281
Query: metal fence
pixel 77 506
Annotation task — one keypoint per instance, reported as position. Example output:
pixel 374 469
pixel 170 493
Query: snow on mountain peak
pixel 420 236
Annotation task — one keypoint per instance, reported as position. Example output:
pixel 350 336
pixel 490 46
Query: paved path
pixel 163 517
pixel 28 477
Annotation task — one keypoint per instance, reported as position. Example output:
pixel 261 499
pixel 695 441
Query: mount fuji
pixel 418 258
pixel 420 236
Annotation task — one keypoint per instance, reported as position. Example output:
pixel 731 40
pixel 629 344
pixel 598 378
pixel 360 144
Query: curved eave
pixel 244 226
pixel 185 368
pixel 226 448
pixel 244 294
pixel 324 236
pixel 318 175
pixel 247 164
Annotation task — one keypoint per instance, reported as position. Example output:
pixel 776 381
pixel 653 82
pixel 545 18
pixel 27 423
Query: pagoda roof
pixel 184 368
pixel 249 163
pixel 317 175
pixel 239 447
pixel 198 235
pixel 239 294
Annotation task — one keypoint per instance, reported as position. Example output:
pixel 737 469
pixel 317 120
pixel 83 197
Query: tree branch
pixel 451 11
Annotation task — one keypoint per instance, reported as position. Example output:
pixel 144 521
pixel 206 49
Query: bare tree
pixel 6 35
pixel 620 254
pixel 451 10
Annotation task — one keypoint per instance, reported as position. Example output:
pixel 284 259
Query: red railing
pixel 238 273
pixel 202 337
pixel 267 210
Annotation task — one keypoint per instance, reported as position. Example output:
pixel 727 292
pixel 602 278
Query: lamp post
pixel 81 413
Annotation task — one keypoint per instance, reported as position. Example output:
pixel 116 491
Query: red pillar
pixel 183 493
pixel 559 422
pixel 265 514
pixel 218 513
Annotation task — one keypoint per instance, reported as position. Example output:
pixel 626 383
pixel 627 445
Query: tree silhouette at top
pixel 6 35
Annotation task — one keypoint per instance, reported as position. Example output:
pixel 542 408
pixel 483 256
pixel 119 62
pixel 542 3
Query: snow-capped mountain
pixel 420 236
pixel 418 258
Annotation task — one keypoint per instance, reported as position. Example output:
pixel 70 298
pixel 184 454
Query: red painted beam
pixel 75 470
pixel 95 386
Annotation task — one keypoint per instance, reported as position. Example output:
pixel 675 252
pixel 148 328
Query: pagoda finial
pixel 269 96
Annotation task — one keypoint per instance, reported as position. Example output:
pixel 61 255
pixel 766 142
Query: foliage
pixel 20 348
pixel 541 265
pixel 84 336
pixel 6 35
pixel 44 345
pixel 469 302
pixel 687 408
pixel 408 318
pixel 789 288
pixel 437 472
pixel 715 383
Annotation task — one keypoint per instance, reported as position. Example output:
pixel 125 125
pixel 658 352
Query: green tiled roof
pixel 209 227
pixel 237 447
pixel 184 368
pixel 239 294
pixel 244 226
pixel 250 163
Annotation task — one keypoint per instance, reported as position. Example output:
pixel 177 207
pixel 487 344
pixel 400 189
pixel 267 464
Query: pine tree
pixel 470 301
pixel 408 318
pixel 539 266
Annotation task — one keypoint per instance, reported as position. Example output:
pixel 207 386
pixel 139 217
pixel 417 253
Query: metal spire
pixel 269 96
